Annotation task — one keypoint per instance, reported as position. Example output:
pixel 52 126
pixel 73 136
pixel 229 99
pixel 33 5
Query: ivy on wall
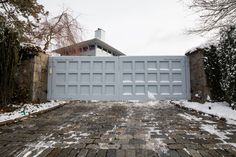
pixel 212 70
pixel 227 61
pixel 220 66
pixel 28 51
pixel 9 48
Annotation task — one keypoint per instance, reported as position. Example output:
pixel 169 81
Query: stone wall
pixel 40 75
pixel 31 80
pixel 198 80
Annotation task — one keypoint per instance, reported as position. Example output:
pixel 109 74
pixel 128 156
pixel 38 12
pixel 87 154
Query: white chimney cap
pixel 100 34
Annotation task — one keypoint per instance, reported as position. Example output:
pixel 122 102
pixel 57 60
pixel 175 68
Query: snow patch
pixel 28 109
pixel 212 129
pixel 220 109
pixel 190 117
pixel 202 46
pixel 53 54
pixel 151 96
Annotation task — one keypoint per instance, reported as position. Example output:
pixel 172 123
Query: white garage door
pixel 118 78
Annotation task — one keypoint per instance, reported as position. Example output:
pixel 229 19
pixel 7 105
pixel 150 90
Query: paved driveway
pixel 118 129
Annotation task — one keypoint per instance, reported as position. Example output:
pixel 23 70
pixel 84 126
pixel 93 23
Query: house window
pixel 85 49
pixel 99 47
pixel 91 47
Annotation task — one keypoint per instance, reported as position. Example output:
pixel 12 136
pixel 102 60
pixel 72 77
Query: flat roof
pixel 97 42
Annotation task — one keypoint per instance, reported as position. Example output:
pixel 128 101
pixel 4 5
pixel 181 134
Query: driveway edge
pixel 196 111
pixel 16 120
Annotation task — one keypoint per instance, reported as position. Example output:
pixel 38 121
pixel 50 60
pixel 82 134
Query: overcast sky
pixel 135 27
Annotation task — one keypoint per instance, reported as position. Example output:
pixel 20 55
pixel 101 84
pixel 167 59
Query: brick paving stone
pixel 173 153
pixel 199 141
pixel 45 152
pixel 81 126
pixel 127 146
pixel 226 146
pixel 123 141
pixel 140 153
pixel 111 153
pixel 169 141
pixel 195 146
pixel 82 153
pixel 151 153
pixel 73 152
pixel 78 145
pixel 213 153
pixel 120 153
pixel 140 136
pixel 101 153
pixel 64 152
pixel 136 141
pixel 87 141
pixel 231 151
pixel 91 153
pixel 4 149
pixel 130 153
pixel 204 153
pixel 175 146
pixel 209 146
pixel 181 140
pixel 122 137
pixel 162 154
pixel 223 152
pixel 183 153
pixel 55 152
pixel 11 151
pixel 194 153
pixel 92 146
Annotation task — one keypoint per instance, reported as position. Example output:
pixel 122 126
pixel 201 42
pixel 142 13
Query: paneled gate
pixel 118 78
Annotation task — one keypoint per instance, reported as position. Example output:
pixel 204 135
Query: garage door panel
pixel 162 77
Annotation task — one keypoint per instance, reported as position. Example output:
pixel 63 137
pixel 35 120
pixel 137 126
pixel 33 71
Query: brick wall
pixel 198 80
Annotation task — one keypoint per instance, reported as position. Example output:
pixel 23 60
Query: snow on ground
pixel 28 109
pixel 212 129
pixel 190 117
pixel 220 109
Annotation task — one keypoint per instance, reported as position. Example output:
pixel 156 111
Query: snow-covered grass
pixel 219 109
pixel 28 109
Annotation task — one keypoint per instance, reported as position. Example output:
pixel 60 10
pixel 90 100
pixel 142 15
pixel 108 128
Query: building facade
pixel 93 47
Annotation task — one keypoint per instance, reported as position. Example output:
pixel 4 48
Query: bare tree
pixel 22 15
pixel 214 14
pixel 59 31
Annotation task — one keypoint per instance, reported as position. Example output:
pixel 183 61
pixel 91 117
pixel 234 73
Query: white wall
pixel 100 52
pixel 88 53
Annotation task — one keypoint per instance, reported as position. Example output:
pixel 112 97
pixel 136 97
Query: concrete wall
pixel 31 80
pixel 198 80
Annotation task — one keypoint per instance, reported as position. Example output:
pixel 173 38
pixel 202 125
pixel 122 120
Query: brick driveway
pixel 118 129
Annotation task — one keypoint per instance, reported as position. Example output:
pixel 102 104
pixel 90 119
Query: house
pixel 93 47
